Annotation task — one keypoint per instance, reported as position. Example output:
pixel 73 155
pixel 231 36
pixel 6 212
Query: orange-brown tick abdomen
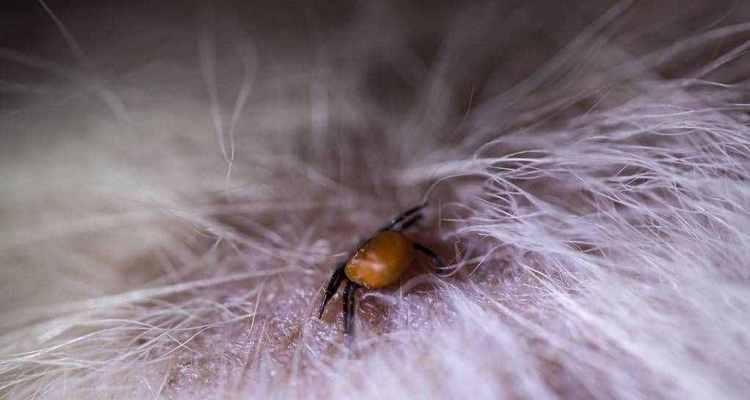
pixel 381 261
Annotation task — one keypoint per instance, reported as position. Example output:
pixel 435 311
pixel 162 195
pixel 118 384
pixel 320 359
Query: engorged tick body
pixel 381 260
pixel 377 263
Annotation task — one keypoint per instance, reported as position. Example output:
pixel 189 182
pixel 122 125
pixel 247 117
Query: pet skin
pixel 179 181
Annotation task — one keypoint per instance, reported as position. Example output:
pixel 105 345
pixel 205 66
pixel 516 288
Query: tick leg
pixel 333 286
pixel 349 290
pixel 411 221
pixel 441 268
pixel 403 216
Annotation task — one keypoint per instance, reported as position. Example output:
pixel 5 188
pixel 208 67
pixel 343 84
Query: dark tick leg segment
pixel 333 286
pixel 349 290
pixel 403 216
pixel 408 223
pixel 441 270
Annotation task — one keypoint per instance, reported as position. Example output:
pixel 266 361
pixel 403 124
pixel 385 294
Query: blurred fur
pixel 178 183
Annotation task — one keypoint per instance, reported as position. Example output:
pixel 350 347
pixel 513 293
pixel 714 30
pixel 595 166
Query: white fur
pixel 167 231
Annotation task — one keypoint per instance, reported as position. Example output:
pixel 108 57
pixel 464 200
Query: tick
pixel 377 263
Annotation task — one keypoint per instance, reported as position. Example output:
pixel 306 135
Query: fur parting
pixel 168 223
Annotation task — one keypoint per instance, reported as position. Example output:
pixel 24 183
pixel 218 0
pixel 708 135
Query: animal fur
pixel 179 180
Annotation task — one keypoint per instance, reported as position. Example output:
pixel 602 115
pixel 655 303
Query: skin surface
pixel 381 261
